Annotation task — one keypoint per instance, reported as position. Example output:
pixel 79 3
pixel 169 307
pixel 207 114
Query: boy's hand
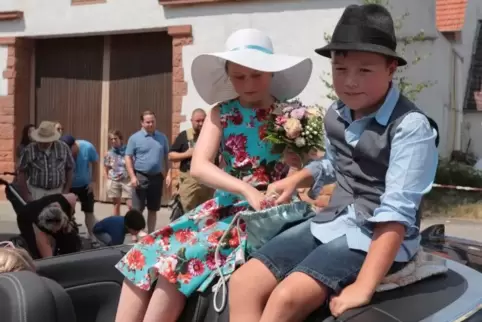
pixel 352 296
pixel 284 189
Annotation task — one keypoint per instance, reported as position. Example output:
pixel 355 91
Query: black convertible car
pixel 85 287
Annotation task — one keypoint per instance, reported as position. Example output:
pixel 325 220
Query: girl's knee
pixel 253 274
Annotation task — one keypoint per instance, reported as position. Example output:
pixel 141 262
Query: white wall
pixel 472 123
pixel 3 66
pixel 296 27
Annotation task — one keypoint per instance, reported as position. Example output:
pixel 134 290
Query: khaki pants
pixel 38 193
pixel 192 193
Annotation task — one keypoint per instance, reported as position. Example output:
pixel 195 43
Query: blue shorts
pixel 296 250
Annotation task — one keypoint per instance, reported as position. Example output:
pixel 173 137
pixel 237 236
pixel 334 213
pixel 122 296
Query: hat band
pixel 255 47
pixel 361 34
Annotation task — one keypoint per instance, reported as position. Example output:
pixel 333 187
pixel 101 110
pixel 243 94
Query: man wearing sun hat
pixel 46 166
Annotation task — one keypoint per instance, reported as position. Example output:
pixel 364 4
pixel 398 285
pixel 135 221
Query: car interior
pixel 85 287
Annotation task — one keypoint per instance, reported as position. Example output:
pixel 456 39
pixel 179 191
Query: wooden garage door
pixel 69 86
pixel 140 79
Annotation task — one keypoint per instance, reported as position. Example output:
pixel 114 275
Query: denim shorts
pixel 333 264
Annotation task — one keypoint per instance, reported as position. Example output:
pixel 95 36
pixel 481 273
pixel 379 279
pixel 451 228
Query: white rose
pixel 300 142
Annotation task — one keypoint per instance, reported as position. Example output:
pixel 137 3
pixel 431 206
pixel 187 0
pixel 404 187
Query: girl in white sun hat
pixel 244 82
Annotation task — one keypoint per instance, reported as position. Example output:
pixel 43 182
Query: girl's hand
pixel 253 196
pixel 292 159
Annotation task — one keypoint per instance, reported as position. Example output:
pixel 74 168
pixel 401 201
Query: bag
pixel 263 225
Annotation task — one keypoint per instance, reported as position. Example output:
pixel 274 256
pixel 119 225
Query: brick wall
pixel 14 107
pixel 181 36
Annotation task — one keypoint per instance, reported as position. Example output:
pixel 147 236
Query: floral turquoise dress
pixel 184 251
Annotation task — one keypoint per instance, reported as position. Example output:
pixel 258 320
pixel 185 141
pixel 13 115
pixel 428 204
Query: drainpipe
pixel 456 105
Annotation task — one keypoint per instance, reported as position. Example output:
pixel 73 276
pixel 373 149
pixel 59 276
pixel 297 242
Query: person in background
pixel 85 156
pixel 147 165
pixel 45 224
pixel 47 164
pixel 118 182
pixel 191 192
pixel 59 127
pixel 25 140
pixel 112 230
pixel 14 259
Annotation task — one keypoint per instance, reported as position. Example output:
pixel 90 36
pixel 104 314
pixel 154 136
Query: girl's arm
pixel 43 243
pixel 202 165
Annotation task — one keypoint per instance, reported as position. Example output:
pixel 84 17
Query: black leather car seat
pixel 27 297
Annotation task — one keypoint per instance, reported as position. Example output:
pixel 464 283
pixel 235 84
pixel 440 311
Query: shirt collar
pixel 384 112
pixel 147 134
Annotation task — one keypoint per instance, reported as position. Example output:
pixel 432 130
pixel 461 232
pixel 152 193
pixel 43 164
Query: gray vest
pixel 360 171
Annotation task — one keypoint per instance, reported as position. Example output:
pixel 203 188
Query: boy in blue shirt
pixel 85 156
pixel 112 230
pixel 381 152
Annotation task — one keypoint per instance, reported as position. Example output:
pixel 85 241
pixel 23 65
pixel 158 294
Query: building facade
pixel 95 64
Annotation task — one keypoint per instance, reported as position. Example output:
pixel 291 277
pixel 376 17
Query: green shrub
pixel 458 174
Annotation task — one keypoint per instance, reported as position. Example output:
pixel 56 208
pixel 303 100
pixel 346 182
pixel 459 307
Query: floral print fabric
pixel 184 251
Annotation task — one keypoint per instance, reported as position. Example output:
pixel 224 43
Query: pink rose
pixel 293 128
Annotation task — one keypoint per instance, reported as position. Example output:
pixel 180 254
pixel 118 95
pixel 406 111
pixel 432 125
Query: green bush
pixel 458 174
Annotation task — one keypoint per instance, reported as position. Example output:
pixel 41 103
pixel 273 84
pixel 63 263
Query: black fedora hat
pixel 367 28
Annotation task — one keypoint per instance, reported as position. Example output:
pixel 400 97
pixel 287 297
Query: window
pixel 473 93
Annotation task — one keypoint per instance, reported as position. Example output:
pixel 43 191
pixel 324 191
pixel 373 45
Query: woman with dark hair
pixel 46 225
pixel 25 139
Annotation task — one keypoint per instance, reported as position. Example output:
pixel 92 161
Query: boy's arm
pixel 98 228
pixel 411 172
pixel 322 171
pixel 315 175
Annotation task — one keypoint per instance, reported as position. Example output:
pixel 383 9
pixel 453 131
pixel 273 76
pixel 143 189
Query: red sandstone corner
pixel 181 36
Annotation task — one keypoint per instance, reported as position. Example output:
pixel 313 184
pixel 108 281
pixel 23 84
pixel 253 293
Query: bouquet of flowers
pixel 295 126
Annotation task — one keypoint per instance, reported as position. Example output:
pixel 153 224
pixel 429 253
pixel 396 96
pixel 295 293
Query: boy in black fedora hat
pixel 381 152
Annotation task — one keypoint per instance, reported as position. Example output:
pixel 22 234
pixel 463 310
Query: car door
pixel 90 279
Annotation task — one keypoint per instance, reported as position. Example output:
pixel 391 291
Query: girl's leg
pixel 133 303
pixel 249 289
pixel 294 299
pixel 252 284
pixel 166 303
pixel 117 206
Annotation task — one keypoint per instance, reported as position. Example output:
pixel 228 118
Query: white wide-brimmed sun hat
pixel 45 133
pixel 253 49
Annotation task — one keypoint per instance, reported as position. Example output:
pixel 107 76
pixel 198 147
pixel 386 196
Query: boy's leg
pixel 104 238
pixel 252 284
pixel 326 270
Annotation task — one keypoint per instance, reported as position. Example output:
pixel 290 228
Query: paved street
pixel 459 228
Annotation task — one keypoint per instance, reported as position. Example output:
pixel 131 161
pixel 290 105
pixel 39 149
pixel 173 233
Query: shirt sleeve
pixel 322 170
pixel 98 227
pixel 131 145
pixel 411 172
pixel 24 159
pixel 69 162
pixel 166 145
pixel 93 155
pixel 178 143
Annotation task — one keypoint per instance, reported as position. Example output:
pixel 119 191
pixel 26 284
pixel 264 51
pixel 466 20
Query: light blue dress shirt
pixel 148 150
pixel 411 172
